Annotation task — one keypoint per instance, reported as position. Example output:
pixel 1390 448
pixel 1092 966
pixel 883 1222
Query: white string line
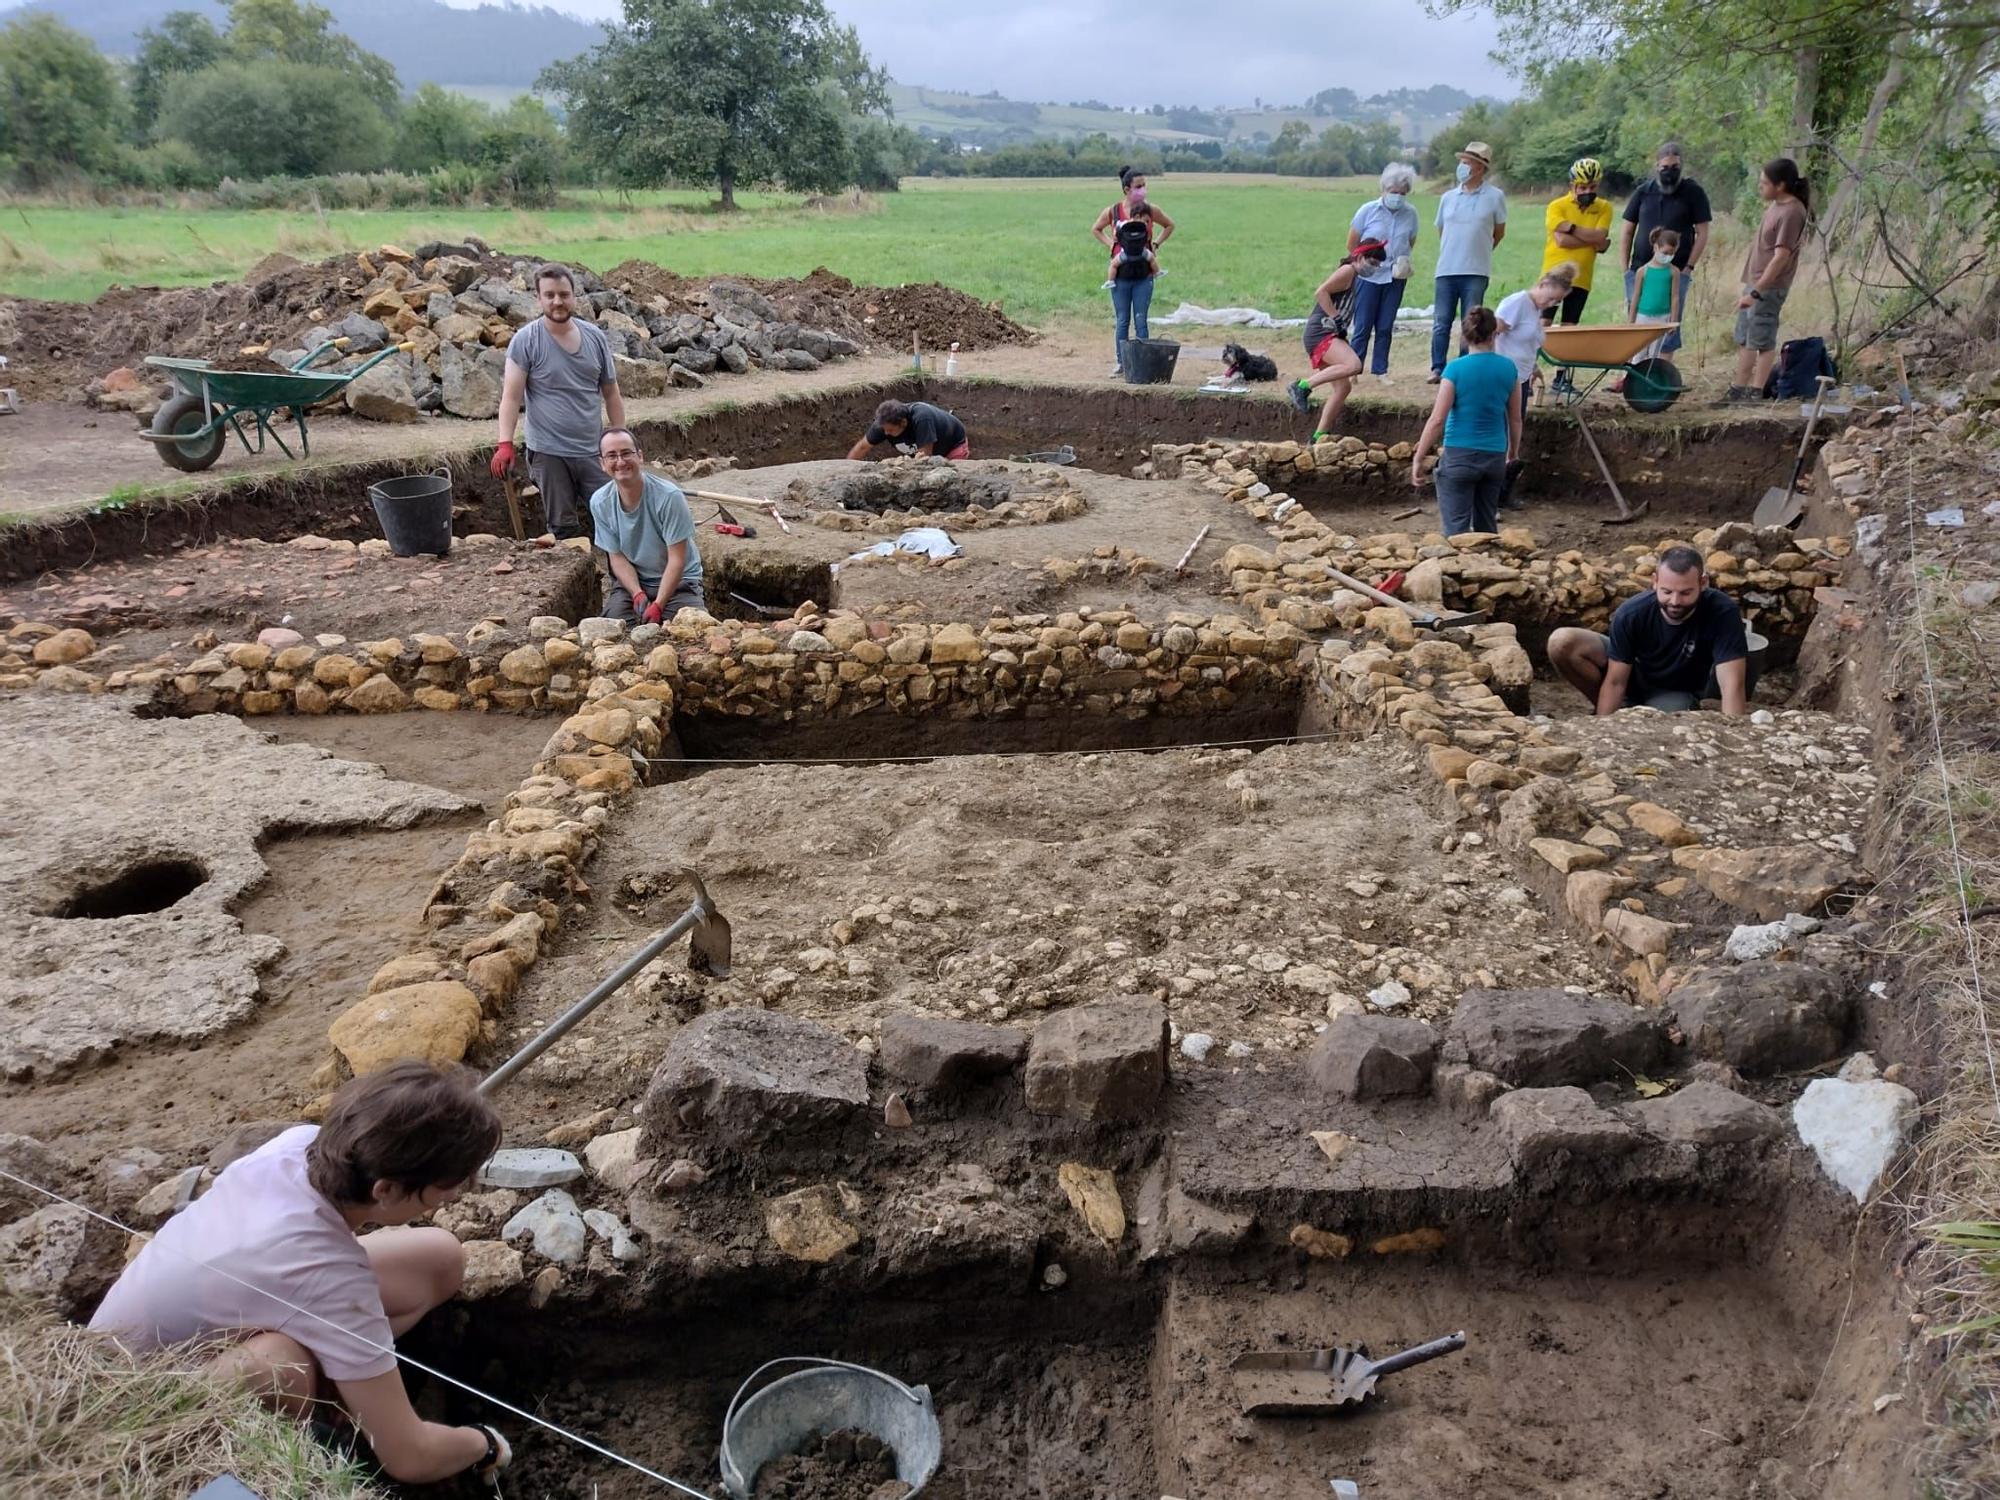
pixel 1959 873
pixel 871 760
pixel 367 1343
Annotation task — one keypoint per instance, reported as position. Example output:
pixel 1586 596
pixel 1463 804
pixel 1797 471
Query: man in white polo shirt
pixel 1471 220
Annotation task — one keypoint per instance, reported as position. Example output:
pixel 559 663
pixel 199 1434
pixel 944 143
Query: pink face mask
pixel 1138 197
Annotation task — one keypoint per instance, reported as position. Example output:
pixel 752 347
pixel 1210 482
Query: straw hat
pixel 1477 151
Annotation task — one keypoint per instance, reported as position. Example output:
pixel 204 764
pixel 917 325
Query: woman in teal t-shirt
pixel 1478 413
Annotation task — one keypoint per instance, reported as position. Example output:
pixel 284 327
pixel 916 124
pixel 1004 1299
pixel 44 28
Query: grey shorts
pixel 619 605
pixel 566 484
pixel 1757 324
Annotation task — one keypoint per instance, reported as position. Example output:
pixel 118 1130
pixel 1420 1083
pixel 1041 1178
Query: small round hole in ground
pixel 152 886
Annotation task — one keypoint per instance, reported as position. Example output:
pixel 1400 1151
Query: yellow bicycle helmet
pixel 1585 169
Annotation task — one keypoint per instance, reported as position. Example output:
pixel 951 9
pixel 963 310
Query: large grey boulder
pixel 1707 1114
pixel 741 1077
pixel 1542 1124
pixel 1374 1057
pixel 1102 1061
pixel 471 379
pixel 1542 1038
pixel 931 1052
pixel 1763 1016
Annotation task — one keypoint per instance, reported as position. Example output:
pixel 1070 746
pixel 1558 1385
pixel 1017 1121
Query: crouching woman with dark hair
pixel 272 1262
pixel 915 427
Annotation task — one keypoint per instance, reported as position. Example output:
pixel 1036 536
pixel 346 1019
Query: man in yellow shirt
pixel 1579 226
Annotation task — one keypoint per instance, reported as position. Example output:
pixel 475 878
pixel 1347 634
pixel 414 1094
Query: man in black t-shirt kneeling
pixel 917 428
pixel 1668 649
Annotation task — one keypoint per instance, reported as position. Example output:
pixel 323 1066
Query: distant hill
pixel 494 46
pixel 990 120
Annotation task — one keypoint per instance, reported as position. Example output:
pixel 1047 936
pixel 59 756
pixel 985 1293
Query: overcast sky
pixel 1163 51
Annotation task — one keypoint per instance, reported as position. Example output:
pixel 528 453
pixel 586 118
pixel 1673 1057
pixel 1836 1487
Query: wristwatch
pixel 486 1464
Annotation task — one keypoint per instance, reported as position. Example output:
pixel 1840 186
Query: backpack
pixel 1800 363
pixel 1134 236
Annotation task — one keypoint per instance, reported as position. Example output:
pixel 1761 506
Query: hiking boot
pixel 1434 377
pixel 1300 397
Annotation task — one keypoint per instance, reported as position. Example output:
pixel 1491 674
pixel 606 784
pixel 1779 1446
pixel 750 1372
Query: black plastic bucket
pixel 1150 361
pixel 414 512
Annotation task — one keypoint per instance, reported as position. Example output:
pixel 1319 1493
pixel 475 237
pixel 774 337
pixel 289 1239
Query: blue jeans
pixel 1451 299
pixel 1468 489
pixel 1375 304
pixel 1673 340
pixel 1130 301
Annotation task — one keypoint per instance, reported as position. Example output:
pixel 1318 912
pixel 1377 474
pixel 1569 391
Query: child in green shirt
pixel 1657 290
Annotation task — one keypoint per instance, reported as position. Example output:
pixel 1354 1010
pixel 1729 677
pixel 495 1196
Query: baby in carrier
pixel 1134 236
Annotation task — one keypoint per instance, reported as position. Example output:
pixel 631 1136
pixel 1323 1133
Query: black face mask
pixel 1584 200
pixel 1670 178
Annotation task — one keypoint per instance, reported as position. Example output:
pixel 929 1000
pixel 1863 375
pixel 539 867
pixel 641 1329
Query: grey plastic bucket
pixel 1150 361
pixel 827 1396
pixel 414 512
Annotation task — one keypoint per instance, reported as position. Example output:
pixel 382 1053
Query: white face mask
pixel 1392 200
pixel 1661 257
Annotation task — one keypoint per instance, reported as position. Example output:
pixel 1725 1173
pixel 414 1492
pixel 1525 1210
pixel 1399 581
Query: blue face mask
pixel 1392 201
pixel 1465 171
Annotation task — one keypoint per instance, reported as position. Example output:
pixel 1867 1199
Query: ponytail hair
pixel 1783 172
pixel 1125 176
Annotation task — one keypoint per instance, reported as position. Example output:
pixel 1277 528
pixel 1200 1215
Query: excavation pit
pixel 154 885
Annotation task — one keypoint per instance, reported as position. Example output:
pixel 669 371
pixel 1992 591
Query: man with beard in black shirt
pixel 1668 649
pixel 1667 200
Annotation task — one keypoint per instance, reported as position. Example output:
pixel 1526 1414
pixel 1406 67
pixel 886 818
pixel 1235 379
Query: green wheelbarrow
pixel 194 424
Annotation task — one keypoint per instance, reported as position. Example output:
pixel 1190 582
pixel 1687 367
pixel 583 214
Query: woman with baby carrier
pixel 1133 231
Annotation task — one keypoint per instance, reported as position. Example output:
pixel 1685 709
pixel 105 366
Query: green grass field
pixel 1261 242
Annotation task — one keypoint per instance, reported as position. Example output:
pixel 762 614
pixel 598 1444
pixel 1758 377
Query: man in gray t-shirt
pixel 559 367
pixel 644 528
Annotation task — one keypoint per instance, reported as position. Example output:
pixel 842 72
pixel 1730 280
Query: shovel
pixel 723 501
pixel 707 931
pixel 1781 507
pixel 1316 1381
pixel 1423 617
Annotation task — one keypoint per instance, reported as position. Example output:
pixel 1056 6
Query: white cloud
pixel 1203 52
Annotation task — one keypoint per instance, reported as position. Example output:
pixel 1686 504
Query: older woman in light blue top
pixel 1390 220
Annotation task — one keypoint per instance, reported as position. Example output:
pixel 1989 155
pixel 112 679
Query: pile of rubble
pixel 458 304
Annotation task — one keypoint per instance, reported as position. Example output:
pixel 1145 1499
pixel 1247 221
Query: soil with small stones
pixel 844 1465
pixel 1246 890
pixel 61 346
pixel 238 588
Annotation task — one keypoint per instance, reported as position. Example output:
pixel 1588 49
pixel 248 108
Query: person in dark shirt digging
pixel 915 427
pixel 1668 649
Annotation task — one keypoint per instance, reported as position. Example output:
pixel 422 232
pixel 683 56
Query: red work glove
pixel 503 460
pixel 654 613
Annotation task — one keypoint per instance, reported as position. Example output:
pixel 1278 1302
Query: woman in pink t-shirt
pixel 274 1255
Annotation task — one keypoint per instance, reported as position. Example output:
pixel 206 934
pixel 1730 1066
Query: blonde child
pixel 1657 290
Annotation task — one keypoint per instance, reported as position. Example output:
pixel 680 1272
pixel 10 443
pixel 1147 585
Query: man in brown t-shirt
pixel 1767 276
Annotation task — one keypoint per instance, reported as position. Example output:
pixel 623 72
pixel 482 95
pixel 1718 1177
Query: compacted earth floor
pixel 1252 891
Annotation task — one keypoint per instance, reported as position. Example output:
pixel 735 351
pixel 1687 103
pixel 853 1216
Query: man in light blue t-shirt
pixel 1471 220
pixel 646 530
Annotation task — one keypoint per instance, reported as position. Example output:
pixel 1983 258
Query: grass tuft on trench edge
pixel 80 1416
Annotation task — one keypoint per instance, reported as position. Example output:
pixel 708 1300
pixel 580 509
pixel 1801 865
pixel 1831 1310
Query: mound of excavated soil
pixel 845 1465
pixel 57 348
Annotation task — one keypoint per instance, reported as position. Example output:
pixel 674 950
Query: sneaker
pixel 1434 377
pixel 1300 398
pixel 1383 380
pixel 1617 387
pixel 1117 372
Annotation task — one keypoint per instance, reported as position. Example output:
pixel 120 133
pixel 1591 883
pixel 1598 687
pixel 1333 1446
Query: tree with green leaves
pixel 185 41
pixel 276 119
pixel 297 31
pixel 723 92
pixel 61 109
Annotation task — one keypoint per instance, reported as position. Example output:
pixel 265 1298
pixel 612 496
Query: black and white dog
pixel 1236 360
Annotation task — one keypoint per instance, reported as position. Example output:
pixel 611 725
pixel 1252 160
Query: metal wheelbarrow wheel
pixel 1653 385
pixel 185 413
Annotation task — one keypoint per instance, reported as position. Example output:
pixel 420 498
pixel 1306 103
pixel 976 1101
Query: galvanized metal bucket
pixel 827 1396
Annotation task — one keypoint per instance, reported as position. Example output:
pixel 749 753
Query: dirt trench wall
pixel 1709 469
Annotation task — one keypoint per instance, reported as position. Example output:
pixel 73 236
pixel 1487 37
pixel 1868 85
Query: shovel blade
pixel 1778 508
pixel 708 939
pixel 1287 1384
